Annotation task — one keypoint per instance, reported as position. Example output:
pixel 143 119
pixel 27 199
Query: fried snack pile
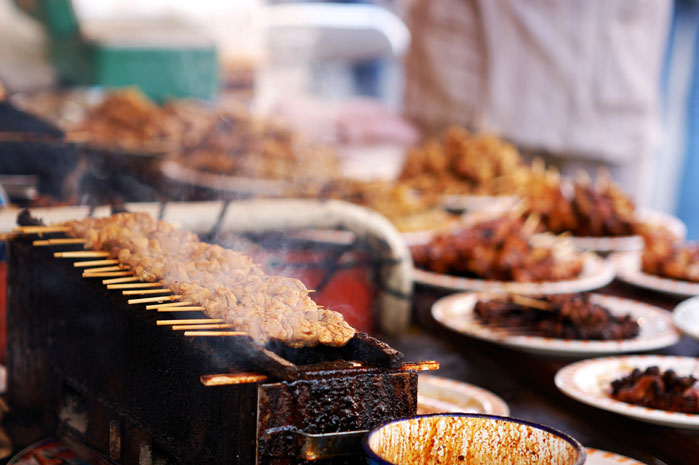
pixel 599 209
pixel 465 163
pixel 569 316
pixel 225 282
pixel 498 249
pixel 207 138
pixel 126 119
pixel 653 388
pixel 407 209
pixel 666 255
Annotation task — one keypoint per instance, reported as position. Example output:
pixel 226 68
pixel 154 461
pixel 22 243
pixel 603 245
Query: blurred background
pixel 584 85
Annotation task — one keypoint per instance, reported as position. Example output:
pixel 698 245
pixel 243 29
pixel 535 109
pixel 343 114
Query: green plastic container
pixel 162 68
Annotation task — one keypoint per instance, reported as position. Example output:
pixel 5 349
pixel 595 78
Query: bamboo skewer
pixel 231 378
pixel 191 321
pixel 203 326
pixel 106 268
pixel 420 366
pixel 88 263
pixel 108 274
pixel 133 285
pixel 215 333
pixel 82 254
pixel 62 241
pixel 145 300
pixel 121 280
pixel 531 302
pixel 145 291
pixel 41 229
pixel 171 304
pixel 181 309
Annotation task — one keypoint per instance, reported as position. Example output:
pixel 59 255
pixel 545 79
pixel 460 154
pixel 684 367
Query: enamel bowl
pixel 470 439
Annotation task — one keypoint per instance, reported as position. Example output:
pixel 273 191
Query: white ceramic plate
pixel 589 382
pixel 596 273
pixel 628 269
pixel 443 395
pixel 631 243
pixel 456 313
pixel 602 457
pixel 686 317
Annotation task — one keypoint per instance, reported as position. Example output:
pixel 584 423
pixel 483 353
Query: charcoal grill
pixel 120 388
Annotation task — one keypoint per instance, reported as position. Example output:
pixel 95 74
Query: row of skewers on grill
pixel 120 277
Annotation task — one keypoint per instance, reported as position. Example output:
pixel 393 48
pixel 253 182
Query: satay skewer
pixel 215 333
pixel 89 263
pixel 193 308
pixel 531 302
pixel 133 285
pixel 61 241
pixel 146 300
pixel 231 378
pixel 102 269
pixel 82 254
pixel 129 279
pixel 145 291
pixel 171 304
pixel 41 229
pixel 191 321
pixel 203 326
pixel 108 274
pixel 428 365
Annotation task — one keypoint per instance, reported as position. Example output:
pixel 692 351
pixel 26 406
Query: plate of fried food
pixel 597 215
pixel 667 264
pixel 497 252
pixel 657 389
pixel 566 325
pixel 436 394
pixel 603 457
pixel 686 317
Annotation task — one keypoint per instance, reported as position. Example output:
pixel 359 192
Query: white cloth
pixel 578 78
